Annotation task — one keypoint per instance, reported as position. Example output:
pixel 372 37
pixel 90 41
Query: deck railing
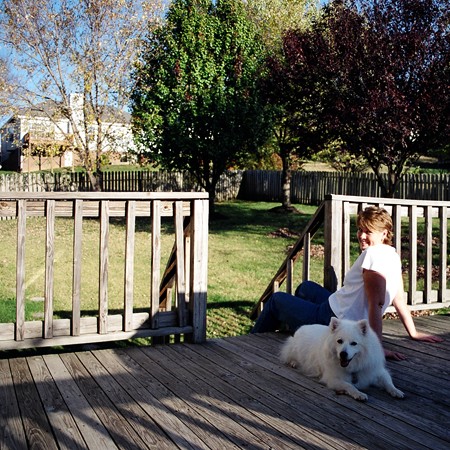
pixel 420 237
pixel 176 300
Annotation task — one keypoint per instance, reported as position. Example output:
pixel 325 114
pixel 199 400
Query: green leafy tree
pixel 337 156
pixel 274 17
pixel 297 103
pixel 292 145
pixel 197 106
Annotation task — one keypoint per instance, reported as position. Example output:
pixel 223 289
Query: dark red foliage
pixel 375 74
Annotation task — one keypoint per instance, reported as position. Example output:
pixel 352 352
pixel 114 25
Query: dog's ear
pixel 334 323
pixel 363 326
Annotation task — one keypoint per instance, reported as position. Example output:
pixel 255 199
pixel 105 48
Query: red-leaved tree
pixel 374 74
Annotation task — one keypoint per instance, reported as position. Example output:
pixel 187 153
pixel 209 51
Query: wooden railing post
pixel 76 273
pixel 442 277
pixel 103 268
pixel 129 265
pixel 332 270
pixel 20 269
pixel 49 267
pixel 156 262
pixel 199 269
pixel 181 266
pixel 412 272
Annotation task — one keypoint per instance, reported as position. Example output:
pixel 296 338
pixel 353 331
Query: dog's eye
pixel 353 343
pixel 340 341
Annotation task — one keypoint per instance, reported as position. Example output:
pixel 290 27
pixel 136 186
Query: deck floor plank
pixel 122 433
pixel 145 433
pixel 63 424
pixel 341 407
pixel 159 403
pixel 226 394
pixel 243 429
pixel 37 428
pixel 420 408
pixel 179 398
pixel 94 433
pixel 255 416
pixel 281 413
pixel 11 426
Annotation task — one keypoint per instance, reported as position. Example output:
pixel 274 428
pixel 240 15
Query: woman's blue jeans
pixel 308 306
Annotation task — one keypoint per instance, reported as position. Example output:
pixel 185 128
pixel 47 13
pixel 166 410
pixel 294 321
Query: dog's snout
pixel 343 355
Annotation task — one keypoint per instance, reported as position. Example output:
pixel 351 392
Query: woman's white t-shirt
pixel 350 301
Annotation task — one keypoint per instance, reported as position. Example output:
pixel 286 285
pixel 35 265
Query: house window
pixel 10 134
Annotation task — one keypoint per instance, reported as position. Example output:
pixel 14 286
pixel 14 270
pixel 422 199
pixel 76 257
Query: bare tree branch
pixel 86 47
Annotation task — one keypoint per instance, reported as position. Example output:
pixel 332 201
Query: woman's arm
pixel 406 318
pixel 375 289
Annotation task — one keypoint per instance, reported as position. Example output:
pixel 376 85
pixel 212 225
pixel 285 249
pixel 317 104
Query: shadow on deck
pixel 225 394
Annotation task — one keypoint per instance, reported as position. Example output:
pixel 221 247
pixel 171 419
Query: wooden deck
pixel 225 394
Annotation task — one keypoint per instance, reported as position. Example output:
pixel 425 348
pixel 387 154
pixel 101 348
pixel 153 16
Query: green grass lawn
pixel 244 255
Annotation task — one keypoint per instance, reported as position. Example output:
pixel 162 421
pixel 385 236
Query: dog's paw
pixel 397 393
pixel 360 396
pixel 354 393
pixel 292 364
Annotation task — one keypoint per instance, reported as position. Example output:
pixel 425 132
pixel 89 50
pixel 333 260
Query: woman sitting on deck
pixel 372 284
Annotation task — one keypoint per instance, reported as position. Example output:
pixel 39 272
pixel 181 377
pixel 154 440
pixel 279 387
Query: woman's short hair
pixel 374 218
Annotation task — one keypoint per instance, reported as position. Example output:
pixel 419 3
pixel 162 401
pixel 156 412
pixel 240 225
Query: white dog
pixel 346 356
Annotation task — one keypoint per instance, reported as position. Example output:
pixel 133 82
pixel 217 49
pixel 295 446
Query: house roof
pixel 52 109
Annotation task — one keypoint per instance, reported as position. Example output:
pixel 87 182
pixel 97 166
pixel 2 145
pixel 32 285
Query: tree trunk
pixel 286 183
pixel 96 180
pixel 212 203
pixel 388 187
pixel 211 189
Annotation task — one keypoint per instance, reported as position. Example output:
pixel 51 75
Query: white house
pixel 42 132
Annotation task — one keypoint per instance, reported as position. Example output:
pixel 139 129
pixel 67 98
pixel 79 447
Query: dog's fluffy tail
pixel 287 352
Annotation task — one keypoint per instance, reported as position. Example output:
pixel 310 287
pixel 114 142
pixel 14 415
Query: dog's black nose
pixel 343 355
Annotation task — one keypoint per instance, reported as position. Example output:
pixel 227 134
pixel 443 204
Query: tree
pixel 297 102
pixel 382 71
pixel 76 46
pixel 274 17
pixel 196 105
pixel 6 88
pixel 291 142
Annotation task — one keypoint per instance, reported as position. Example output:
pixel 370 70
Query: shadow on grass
pixel 237 216
pixel 240 216
pixel 241 307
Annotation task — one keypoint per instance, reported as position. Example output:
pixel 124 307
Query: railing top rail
pixel 103 195
pixel 386 200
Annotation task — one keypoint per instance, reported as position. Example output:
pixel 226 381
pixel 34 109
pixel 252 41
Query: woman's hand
pixel 397 356
pixel 406 318
pixel 394 356
pixel 417 336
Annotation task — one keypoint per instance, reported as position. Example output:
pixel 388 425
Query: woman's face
pixel 367 238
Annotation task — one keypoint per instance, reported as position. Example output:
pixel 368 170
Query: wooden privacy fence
pixel 118 181
pixel 310 188
pixel 177 295
pixel 307 188
pixel 420 237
